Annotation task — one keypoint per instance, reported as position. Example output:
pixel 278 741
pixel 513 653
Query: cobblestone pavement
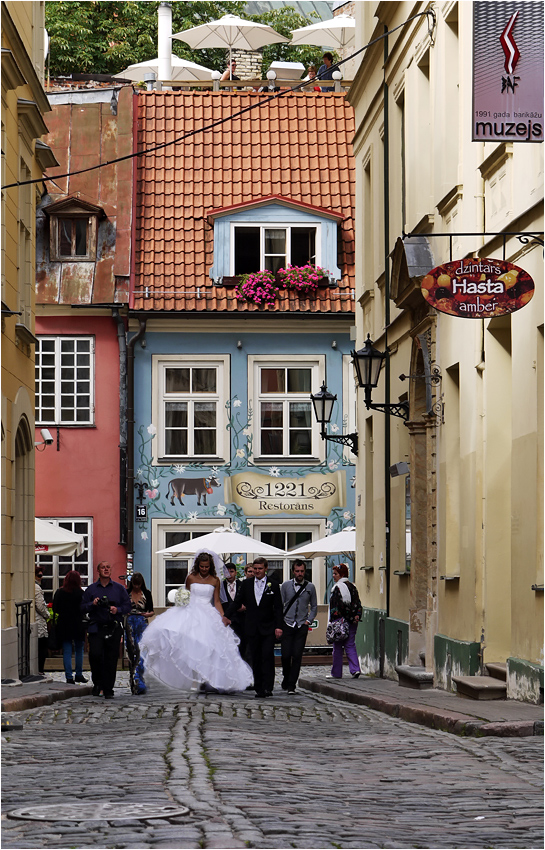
pixel 304 772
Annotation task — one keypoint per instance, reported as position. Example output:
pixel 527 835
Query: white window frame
pixel 161 362
pixel 275 225
pixel 57 420
pixel 317 365
pixel 312 524
pixel 76 565
pixel 159 529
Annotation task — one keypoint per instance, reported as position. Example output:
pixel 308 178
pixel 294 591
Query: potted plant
pixel 302 278
pixel 259 287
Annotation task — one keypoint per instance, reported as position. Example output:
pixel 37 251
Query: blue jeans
pixel 67 657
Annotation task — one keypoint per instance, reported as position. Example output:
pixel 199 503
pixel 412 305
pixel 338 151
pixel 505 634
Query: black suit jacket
pixel 228 607
pixel 264 618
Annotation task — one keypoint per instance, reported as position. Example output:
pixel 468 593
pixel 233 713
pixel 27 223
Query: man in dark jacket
pixel 105 601
pixel 263 623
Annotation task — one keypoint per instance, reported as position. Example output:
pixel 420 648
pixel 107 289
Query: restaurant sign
pixel 265 495
pixel 477 288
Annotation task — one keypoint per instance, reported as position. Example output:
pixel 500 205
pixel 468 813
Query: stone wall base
pixel 524 680
pixel 454 658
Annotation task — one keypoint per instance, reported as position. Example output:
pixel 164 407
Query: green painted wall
pixel 454 658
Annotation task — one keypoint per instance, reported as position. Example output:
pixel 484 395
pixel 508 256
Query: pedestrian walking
pixel 263 623
pixel 300 607
pixel 231 585
pixel 69 626
pixel 106 602
pixel 344 605
pixel 42 615
pixel 135 623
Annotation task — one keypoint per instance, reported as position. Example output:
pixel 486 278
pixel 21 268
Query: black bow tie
pixel 298 584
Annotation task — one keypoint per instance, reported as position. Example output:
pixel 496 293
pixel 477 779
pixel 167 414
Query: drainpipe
pixel 164 41
pixel 387 461
pixel 122 343
pixel 130 443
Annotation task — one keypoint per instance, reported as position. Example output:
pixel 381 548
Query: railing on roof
pixel 255 85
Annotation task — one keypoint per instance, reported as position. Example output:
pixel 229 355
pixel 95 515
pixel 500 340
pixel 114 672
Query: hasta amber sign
pixel 477 288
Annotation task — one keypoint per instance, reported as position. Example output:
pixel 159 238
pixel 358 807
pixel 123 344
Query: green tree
pixel 105 36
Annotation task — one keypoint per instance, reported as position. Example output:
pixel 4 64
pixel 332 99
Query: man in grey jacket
pixel 299 606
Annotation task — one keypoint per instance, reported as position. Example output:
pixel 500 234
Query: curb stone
pixel 35 700
pixel 446 721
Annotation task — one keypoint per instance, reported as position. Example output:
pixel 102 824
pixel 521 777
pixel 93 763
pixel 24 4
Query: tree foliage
pixel 105 36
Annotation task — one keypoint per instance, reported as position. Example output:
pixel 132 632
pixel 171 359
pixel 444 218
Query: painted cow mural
pixel 200 487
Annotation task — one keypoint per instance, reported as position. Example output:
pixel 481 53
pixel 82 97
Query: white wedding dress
pixel 189 645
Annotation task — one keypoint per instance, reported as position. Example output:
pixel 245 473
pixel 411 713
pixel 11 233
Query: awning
pixel 51 539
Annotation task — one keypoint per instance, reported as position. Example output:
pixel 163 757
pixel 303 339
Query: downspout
pixel 130 443
pixel 122 344
pixel 387 462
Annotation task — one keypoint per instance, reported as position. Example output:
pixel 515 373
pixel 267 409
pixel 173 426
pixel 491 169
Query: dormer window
pixel 73 230
pixel 270 233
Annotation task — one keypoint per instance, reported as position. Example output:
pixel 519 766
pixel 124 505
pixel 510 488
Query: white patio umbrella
pixel 182 70
pixel 338 33
pixel 230 31
pixel 51 539
pixel 342 541
pixel 221 541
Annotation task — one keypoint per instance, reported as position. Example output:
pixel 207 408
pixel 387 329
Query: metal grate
pixel 22 610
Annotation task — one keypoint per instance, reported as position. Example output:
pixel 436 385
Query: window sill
pixel 286 461
pixel 23 333
pixel 184 461
pixel 39 424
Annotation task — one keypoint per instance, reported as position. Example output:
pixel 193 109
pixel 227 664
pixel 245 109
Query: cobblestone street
pixel 304 771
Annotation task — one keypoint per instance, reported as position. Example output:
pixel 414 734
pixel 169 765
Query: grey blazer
pixel 304 608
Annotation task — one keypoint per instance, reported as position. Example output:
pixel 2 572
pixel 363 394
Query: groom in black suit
pixel 263 623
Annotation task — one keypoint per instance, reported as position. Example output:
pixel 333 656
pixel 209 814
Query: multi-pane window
pixel 285 415
pixel 177 568
pixel 72 234
pixel 55 567
pixel 190 405
pixel 64 380
pixel 281 568
pixel 267 247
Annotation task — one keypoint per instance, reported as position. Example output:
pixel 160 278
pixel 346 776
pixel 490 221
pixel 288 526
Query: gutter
pixel 122 343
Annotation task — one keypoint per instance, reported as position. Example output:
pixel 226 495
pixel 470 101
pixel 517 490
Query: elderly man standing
pixel 105 601
pixel 300 607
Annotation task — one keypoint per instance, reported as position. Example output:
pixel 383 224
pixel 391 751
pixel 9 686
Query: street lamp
pixel 367 365
pixel 322 403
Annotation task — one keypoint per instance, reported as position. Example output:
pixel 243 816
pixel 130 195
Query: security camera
pixel 46 436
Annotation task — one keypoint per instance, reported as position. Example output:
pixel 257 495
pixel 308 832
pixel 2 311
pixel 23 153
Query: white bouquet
pixel 182 596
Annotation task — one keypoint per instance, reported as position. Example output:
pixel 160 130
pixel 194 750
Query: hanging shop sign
pixel 266 495
pixel 477 288
pixel 507 72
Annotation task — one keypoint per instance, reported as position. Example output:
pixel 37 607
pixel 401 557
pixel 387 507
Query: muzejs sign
pixel 507 72
pixel 477 288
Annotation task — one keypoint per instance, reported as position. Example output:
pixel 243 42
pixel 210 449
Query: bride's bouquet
pixel 182 596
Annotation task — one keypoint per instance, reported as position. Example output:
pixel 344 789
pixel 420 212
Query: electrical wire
pixel 144 152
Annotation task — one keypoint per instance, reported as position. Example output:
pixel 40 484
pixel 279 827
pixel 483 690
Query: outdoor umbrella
pixel 343 541
pixel 338 32
pixel 53 540
pixel 223 540
pixel 182 70
pixel 230 31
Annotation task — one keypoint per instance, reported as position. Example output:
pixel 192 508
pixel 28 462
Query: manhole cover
pixel 97 811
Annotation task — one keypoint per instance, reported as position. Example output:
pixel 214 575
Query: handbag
pixel 337 631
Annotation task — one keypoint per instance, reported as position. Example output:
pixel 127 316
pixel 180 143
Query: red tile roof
pixel 297 146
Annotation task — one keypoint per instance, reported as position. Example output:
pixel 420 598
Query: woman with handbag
pixel 344 615
pixel 69 626
pixel 42 614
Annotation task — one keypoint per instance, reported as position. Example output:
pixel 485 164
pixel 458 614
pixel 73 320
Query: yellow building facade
pixel 24 157
pixel 449 561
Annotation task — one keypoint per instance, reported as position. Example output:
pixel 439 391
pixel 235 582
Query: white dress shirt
pixel 259 588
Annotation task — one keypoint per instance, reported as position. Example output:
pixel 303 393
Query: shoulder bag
pixel 337 631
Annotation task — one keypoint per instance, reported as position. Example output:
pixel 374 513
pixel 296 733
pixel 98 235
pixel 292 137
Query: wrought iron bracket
pixel 434 377
pixel 140 486
pixel 400 409
pixel 350 440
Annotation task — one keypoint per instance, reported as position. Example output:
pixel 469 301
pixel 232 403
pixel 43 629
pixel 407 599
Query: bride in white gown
pixel 191 644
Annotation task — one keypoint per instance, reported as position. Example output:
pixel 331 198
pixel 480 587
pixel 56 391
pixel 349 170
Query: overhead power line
pixel 145 151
